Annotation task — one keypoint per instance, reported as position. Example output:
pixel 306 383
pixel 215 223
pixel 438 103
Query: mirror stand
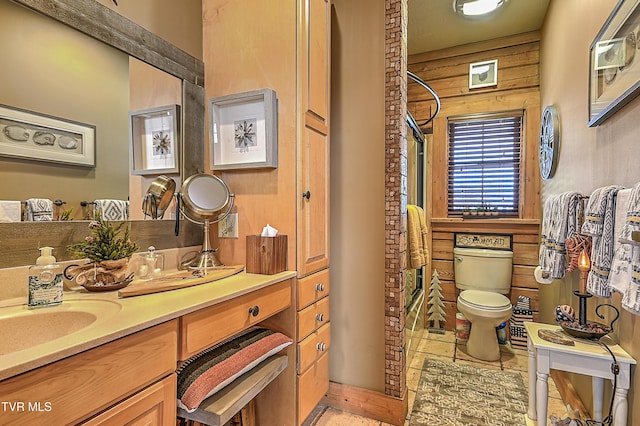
pixel 206 258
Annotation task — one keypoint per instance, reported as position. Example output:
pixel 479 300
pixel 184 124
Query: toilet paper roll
pixel 539 276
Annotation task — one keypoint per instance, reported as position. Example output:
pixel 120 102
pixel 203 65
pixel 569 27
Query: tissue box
pixel 266 255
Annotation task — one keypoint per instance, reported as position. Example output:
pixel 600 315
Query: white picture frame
pixel 483 74
pixel 154 136
pixel 35 136
pixel 243 131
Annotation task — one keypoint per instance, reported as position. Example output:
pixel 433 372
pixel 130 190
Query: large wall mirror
pixel 80 61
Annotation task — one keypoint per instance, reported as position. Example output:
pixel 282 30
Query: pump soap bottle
pixel 45 280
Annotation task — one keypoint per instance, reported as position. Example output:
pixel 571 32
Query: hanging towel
pixel 39 210
pixel 417 248
pixel 559 221
pixel 620 275
pixel 112 209
pixel 10 211
pixel 599 224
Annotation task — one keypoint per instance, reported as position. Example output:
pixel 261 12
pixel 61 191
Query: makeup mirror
pixel 158 197
pixel 200 201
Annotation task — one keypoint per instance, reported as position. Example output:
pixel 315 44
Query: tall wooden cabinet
pixel 313 326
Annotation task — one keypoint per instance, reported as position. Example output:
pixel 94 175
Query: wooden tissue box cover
pixel 266 255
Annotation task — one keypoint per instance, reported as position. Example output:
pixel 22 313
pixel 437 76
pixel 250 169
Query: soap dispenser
pixel 45 280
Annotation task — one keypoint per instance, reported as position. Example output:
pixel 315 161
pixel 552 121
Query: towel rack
pixel 86 203
pixel 56 202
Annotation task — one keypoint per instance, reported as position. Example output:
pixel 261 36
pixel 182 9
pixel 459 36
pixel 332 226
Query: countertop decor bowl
pixel 591 330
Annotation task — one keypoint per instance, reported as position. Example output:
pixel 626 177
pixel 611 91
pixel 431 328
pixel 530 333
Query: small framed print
pixel 244 131
pixel 154 137
pixel 483 74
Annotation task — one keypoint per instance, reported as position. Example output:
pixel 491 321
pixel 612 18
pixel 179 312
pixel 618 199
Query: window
pixel 484 163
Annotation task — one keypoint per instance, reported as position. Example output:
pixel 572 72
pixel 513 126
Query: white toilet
pixel 483 277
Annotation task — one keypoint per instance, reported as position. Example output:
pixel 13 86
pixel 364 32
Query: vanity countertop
pixel 124 316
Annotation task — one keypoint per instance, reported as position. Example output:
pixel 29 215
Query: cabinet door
pixel 316 60
pixel 313 232
pixel 153 406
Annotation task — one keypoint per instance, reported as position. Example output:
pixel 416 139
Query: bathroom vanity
pixel 119 365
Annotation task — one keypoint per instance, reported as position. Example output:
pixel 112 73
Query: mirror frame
pixel 106 25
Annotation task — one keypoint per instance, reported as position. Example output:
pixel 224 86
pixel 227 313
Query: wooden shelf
pixel 219 408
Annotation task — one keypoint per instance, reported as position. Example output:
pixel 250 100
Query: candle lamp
pixel 584 265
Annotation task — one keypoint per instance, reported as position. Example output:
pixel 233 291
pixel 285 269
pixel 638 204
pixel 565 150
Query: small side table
pixel 586 357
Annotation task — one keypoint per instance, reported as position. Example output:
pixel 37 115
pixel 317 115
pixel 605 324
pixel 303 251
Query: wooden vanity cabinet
pixel 138 369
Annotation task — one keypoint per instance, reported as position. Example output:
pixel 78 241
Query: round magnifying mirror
pixel 158 197
pixel 204 196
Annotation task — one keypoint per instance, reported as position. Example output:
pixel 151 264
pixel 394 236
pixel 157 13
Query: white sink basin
pixel 22 328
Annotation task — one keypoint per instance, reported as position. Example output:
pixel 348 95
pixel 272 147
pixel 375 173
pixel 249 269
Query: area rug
pixel 464 395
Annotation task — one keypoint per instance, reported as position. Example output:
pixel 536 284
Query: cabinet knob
pixel 320 317
pixel 320 287
pixel 306 195
pixel 254 311
pixel 321 347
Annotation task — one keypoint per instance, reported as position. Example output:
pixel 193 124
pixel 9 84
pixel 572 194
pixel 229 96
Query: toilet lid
pixel 486 300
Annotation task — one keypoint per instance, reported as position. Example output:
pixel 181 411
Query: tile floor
pixel 445 347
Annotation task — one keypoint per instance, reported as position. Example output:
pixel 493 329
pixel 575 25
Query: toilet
pixel 483 277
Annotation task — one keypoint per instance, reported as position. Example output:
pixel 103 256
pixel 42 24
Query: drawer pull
pixel 320 287
pixel 320 317
pixel 254 311
pixel 321 346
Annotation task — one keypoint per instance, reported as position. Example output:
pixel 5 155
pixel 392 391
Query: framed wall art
pixel 244 131
pixel 614 74
pixel 35 136
pixel 483 74
pixel 154 135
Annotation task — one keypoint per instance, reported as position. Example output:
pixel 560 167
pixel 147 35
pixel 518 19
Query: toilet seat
pixel 484 300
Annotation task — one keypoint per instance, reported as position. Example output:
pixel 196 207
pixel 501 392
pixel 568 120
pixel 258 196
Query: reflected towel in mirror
pixel 417 238
pixel 39 210
pixel 112 209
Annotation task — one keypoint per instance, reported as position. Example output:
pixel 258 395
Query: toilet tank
pixel 483 269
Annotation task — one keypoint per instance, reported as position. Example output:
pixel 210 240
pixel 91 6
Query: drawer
pixel 206 327
pixel 73 389
pixel 312 348
pixel 313 288
pixel 312 386
pixel 312 317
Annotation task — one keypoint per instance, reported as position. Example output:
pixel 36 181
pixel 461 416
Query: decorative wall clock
pixel 549 142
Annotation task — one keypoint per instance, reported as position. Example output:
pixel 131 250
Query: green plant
pixel 104 242
pixel 67 214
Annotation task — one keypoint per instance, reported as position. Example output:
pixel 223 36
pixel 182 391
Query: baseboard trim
pixel 568 392
pixel 367 403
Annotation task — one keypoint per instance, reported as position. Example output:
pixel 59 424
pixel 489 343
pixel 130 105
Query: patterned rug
pixel 463 395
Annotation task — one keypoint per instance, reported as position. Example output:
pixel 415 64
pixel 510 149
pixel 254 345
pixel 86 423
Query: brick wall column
pixel 395 193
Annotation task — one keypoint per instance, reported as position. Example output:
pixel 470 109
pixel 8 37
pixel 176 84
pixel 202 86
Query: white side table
pixel 586 357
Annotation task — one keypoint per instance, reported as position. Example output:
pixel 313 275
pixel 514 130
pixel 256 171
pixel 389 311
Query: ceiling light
pixel 476 8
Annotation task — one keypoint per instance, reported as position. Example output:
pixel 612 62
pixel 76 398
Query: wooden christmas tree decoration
pixel 436 307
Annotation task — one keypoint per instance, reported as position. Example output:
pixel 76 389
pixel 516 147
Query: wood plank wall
pixel 447 72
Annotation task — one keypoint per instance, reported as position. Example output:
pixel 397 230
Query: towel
pixel 559 221
pixel 112 209
pixel 39 210
pixel 10 211
pixel 620 275
pixel 599 224
pixel 417 248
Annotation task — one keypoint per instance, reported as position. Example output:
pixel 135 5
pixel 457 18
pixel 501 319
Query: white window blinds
pixel 484 164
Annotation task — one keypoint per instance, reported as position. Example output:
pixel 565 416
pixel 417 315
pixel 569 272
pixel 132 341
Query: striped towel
pixel 39 210
pixel 599 224
pixel 112 209
pixel 559 221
